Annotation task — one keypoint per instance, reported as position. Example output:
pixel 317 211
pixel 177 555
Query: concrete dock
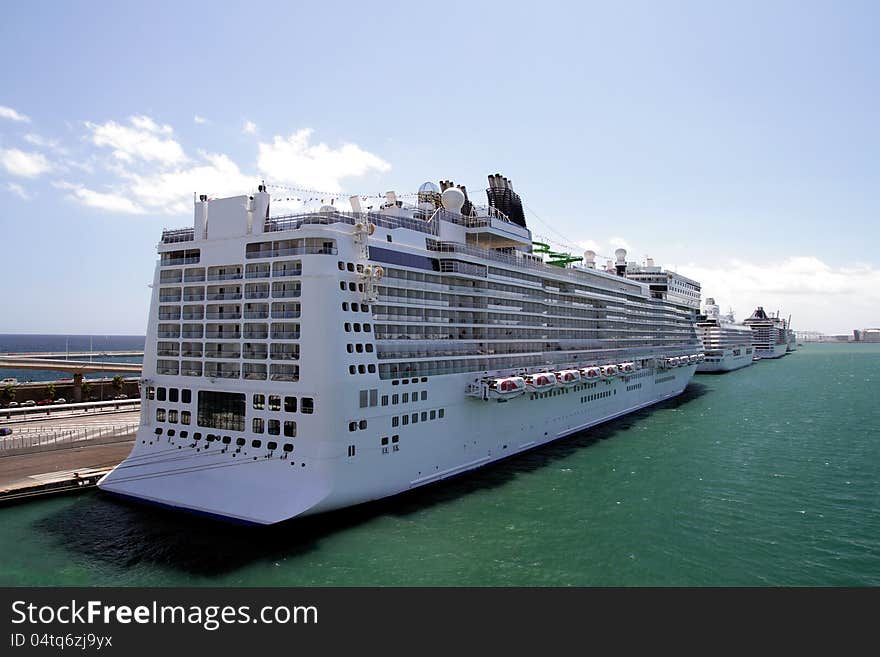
pixel 64 466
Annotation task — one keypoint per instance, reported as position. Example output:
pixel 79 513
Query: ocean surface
pixel 23 343
pixel 769 475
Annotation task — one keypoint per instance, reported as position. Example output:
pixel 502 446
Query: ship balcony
pixel 223 315
pixel 255 352
pixel 167 367
pixel 169 297
pixel 285 352
pixel 254 371
pixel 224 273
pixel 192 331
pixel 170 314
pixel 285 331
pixel 169 331
pixel 191 368
pixel 285 290
pixel 258 270
pixel 285 310
pixel 168 349
pixel 186 260
pixel 284 373
pixel 223 296
pixel 170 276
pixel 256 311
pixel 191 350
pixel 228 332
pixel 194 295
pixel 281 272
pixel 194 314
pixel 194 275
pixel 222 370
pixel 256 331
pixel 256 290
pixel 224 352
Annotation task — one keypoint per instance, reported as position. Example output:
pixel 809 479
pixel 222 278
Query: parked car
pixel 5 431
pixel 60 400
pixel 121 396
pixel 13 404
pixel 29 402
pixel 44 402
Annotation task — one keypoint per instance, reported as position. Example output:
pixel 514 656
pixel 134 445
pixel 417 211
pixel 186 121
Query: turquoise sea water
pixel 765 476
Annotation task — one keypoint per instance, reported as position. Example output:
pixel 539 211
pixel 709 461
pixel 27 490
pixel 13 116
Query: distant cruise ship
pixel 727 346
pixel 769 336
pixel 302 363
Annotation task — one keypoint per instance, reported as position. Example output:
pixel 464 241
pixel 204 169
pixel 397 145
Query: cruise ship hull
pixel 252 487
pixel 777 351
pixel 726 362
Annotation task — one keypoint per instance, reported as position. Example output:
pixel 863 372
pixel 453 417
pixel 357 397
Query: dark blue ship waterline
pixel 768 475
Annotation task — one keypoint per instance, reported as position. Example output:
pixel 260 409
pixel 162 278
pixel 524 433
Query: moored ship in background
pixel 301 363
pixel 727 345
pixel 769 335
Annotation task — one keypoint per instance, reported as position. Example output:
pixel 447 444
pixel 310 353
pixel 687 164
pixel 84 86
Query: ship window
pixel 405 397
pixel 257 426
pixel 366 328
pixel 342 285
pixel 290 428
pixel 364 398
pixel 307 405
pixel 440 413
pixel 274 402
pixel 290 404
pixel 388 237
pixel 384 440
pixel 362 369
pixel 341 265
pixel 160 394
pixel 151 392
pixel 186 396
pixel 352 369
pixel 240 441
pixel 405 419
pixel 347 327
pixel 345 305
pixel 424 416
pixel 359 348
pixel 158 431
pixel 352 287
pixel 274 428
pixel 424 395
pixel 371 368
pixel 350 266
pixel 185 417
pixel 349 347
pixel 357 327
pixel 256 443
pixel 170 433
pixel 288 447
pixel 395 399
pixel 362 424
pixel 352 426
pixel 369 348
pixel 415 418
pixel 160 415
pixel 374 394
pixel 395 439
pixel 221 410
pixel 433 415
pixel 272 446
pixel 395 421
pixel 259 402
pixel 197 436
pixel 360 269
pixel 227 440
pixel 365 308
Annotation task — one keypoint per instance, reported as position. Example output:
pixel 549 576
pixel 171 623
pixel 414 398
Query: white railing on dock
pixel 42 438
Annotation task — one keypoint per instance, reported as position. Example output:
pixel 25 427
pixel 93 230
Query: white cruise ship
pixel 727 346
pixel 769 336
pixel 298 364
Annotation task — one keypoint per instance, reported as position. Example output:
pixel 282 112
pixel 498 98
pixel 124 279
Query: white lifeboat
pixel 511 386
pixel 591 373
pixel 627 368
pixel 567 377
pixel 540 381
pixel 694 358
pixel 609 371
pixel 682 361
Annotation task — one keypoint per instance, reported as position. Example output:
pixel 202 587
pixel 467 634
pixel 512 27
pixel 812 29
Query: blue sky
pixel 735 142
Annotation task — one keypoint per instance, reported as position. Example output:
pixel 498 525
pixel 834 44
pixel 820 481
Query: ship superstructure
pixel 302 363
pixel 769 335
pixel 727 346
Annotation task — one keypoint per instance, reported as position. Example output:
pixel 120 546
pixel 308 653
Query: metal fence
pixel 42 438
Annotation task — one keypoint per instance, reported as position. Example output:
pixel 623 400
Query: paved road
pixel 35 468
pixel 72 419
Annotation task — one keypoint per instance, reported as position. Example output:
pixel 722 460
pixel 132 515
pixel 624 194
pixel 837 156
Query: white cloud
pixel 590 245
pixel 27 164
pixel 200 119
pixel 818 296
pixel 144 140
pixel 620 243
pixel 112 202
pixel 12 115
pixel 18 190
pixel 250 128
pixel 317 166
pixel 170 192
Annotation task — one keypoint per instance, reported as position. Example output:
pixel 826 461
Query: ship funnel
pixel 355 203
pixel 391 198
pixel 649 262
pixel 620 267
pixel 590 259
